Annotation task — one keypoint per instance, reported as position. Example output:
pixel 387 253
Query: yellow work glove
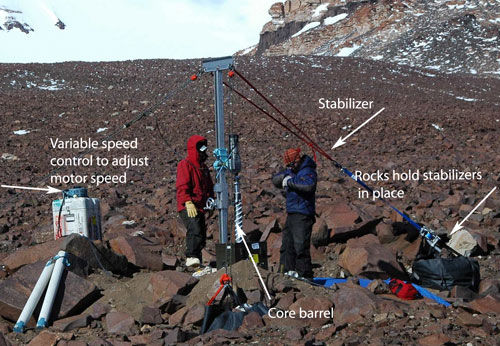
pixel 191 209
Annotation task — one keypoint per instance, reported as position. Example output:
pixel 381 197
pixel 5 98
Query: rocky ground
pixel 431 122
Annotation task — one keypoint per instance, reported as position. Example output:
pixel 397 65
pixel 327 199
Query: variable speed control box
pixel 77 213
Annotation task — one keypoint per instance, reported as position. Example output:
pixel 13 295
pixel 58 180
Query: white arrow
pixel 459 225
pixel 241 234
pixel 341 141
pixel 49 189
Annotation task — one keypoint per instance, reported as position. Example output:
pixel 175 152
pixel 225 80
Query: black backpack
pixel 444 273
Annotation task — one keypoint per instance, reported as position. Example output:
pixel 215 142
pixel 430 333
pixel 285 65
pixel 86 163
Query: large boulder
pixel 167 283
pixel 243 275
pixel 345 221
pixel 385 233
pixel 320 234
pixel 463 242
pixel 314 311
pixel 487 304
pixel 366 256
pixel 95 254
pixel 32 254
pixel 71 323
pixel 120 323
pixel 139 251
pixel 353 303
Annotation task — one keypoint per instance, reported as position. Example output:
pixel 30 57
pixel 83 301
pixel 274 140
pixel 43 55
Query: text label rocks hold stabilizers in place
pixel 410 175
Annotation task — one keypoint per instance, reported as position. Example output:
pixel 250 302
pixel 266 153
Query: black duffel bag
pixel 444 273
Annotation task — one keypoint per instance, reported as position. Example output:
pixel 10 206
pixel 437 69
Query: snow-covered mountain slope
pixel 104 30
pixel 446 35
pixel 38 16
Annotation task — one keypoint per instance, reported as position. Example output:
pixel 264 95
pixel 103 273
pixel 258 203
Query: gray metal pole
pixel 216 66
pixel 221 186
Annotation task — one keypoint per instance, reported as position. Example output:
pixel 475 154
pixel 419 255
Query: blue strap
pixel 55 258
pixel 328 282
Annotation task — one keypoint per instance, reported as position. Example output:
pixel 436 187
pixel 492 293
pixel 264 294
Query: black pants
pixel 295 245
pixel 196 233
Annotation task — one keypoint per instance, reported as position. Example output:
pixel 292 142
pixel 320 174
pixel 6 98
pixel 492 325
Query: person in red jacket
pixel 194 186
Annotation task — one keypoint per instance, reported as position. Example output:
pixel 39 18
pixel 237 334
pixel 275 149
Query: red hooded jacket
pixel 193 178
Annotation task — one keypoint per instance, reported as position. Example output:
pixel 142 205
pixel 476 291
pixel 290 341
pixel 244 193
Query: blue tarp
pixel 327 282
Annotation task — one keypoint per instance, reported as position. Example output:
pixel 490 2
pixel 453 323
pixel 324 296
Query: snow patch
pixel 21 132
pixel 437 127
pixel 308 27
pixel 347 51
pixel 248 50
pixel 468 99
pixel 320 9
pixel 433 67
pixel 335 19
pixel 101 129
pixel 377 57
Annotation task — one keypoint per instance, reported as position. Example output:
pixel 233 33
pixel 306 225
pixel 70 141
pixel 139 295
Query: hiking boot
pixel 192 262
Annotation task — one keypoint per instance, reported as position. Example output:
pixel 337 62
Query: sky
pixel 107 30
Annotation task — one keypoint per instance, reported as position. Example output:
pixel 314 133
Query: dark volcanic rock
pixel 489 303
pixel 352 304
pixel 309 306
pixel 366 256
pixel 4 341
pixel 320 234
pixel 70 323
pixel 32 254
pixel 151 315
pixel 168 283
pixel 45 338
pixel 120 323
pixel 195 315
pixel 95 254
pixel 251 322
pixel 139 251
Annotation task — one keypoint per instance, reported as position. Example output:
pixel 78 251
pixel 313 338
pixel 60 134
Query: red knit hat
pixel 292 155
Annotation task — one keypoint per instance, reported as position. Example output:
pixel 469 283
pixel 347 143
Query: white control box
pixel 80 215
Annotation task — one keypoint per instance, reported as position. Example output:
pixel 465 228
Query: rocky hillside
pixel 444 35
pixel 432 122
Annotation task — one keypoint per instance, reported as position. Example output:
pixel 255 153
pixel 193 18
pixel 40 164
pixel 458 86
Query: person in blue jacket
pixel 299 182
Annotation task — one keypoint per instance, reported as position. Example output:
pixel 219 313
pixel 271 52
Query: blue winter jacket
pixel 301 189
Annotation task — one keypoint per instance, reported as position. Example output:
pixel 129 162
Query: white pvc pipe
pixel 34 297
pixel 50 296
